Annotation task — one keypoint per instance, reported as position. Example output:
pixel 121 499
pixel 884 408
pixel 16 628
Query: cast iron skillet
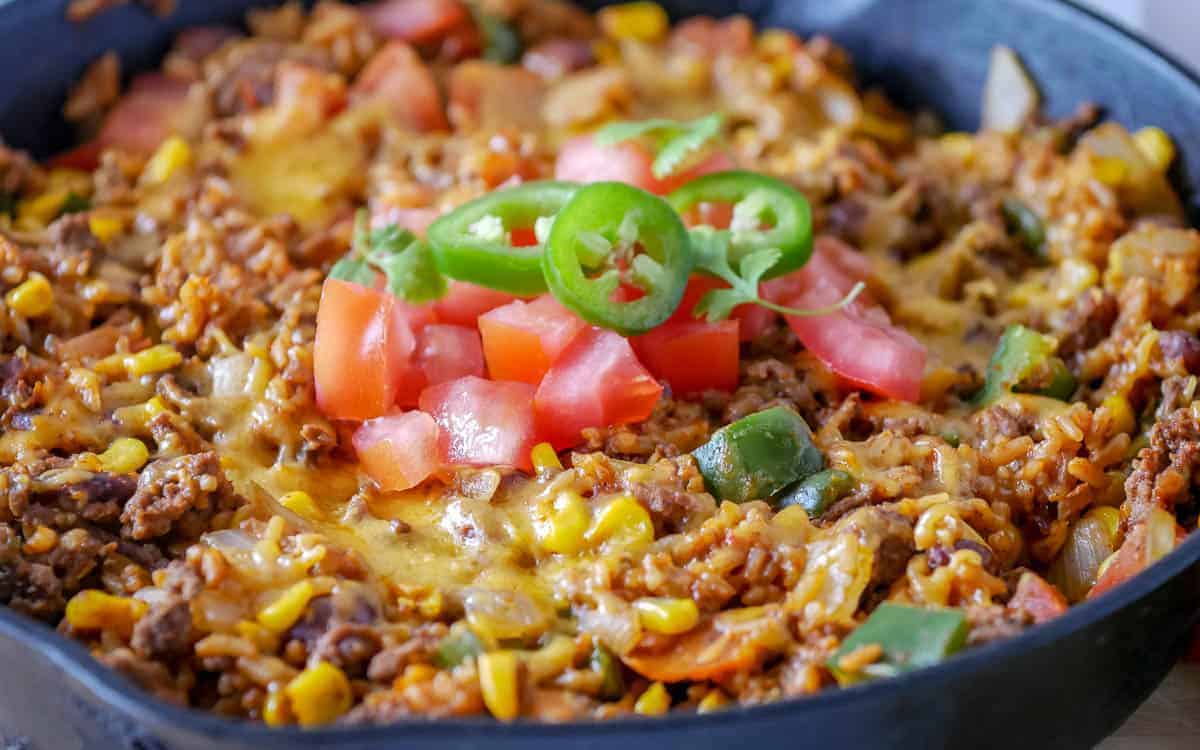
pixel 1063 685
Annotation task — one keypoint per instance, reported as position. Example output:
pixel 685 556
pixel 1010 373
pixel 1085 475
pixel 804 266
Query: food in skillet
pixel 425 359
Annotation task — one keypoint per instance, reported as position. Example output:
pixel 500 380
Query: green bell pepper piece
pixel 1026 225
pixel 612 684
pixel 759 455
pixel 819 491
pixel 1024 362
pixel 458 646
pixel 911 638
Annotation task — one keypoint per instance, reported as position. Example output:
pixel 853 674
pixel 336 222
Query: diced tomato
pixel 716 215
pixel 465 302
pixel 198 42
pixel 398 451
pixel 714 649
pixel 522 237
pixel 483 422
pixel 397 75
pixel 489 96
pixel 859 342
pixel 359 356
pixel 443 353
pixel 555 58
pixel 522 339
pixel 1140 550
pixel 305 97
pixel 1038 598
pixel 596 382
pixel 416 21
pixel 581 159
pixel 414 317
pixel 85 156
pixel 709 37
pixel 692 356
pixel 753 321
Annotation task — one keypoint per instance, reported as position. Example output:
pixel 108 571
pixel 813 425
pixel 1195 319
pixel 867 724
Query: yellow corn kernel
pixel 124 456
pixel 92 609
pixel 624 521
pixel 43 539
pixel 793 518
pixel 158 358
pixel 38 211
pixel 1075 275
pixel 301 503
pixel 1109 170
pixel 154 407
pixel 274 711
pixel 319 694
pixel 257 634
pixel 563 528
pixel 32 298
pixel 545 459
pixel 498 682
pixel 606 52
pixel 888 131
pixel 173 155
pixel 642 21
pixel 959 145
pixel 1110 517
pixel 667 616
pixel 71 180
pixel 287 608
pixel 1156 146
pixel 776 42
pixel 415 674
pixel 1122 413
pixel 654 702
pixel 431 605
pixel 105 226
pixel 715 700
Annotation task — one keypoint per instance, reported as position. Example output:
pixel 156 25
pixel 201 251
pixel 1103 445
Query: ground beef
pixel 177 494
pixel 22 386
pixel 152 676
pixel 1087 322
pixel 349 646
pixel 245 79
pixel 994 623
pixel 1181 347
pixel 165 632
pixel 1164 472
pixel 418 648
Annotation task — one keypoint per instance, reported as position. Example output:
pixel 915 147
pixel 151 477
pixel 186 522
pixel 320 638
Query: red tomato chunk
pixel 465 302
pixel 398 451
pixel 692 356
pixel 483 422
pixel 596 382
pixel 522 339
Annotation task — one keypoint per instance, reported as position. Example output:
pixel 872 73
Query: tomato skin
pixel 358 357
pixel 443 353
pixel 858 342
pixel 521 340
pixel 692 356
pixel 416 20
pixel 465 302
pixel 596 382
pixel 483 422
pixel 398 451
pixel 581 159
pixel 1037 597
pixel 753 320
pixel 398 76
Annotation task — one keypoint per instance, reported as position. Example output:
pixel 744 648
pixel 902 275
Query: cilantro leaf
pixel 674 140
pixel 718 304
pixel 755 265
pixel 411 273
pixel 353 269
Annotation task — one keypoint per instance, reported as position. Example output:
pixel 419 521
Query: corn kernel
pixel 415 674
pixel 301 503
pixel 257 634
pixel 1075 275
pixel 32 298
pixel 154 407
pixel 667 616
pixel 105 227
pixel 287 608
pixel 1122 413
pixel 545 459
pixel 124 456
pixel 606 52
pixel 319 694
pixel 1110 170
pixel 274 711
pixel 642 21
pixel 623 521
pixel 793 518
pixel 173 155
pixel 1156 146
pixel 715 700
pixel 431 605
pixel 960 145
pixel 71 180
pixel 1111 518
pixel 92 609
pixel 565 525
pixel 43 539
pixel 654 702
pixel 498 682
pixel 38 211
pixel 888 131
pixel 157 358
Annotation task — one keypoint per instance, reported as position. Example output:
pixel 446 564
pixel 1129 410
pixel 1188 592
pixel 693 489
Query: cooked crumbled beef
pixel 177 495
pixel 1165 471
pixel 165 631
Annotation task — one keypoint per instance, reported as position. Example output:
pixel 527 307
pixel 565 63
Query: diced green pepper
pixel 1026 225
pixel 74 203
pixel 458 646
pixel 819 491
pixel 911 638
pixel 502 44
pixel 1024 362
pixel 759 455
pixel 612 684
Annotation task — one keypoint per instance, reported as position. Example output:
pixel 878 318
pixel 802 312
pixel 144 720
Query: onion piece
pixel 1010 97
